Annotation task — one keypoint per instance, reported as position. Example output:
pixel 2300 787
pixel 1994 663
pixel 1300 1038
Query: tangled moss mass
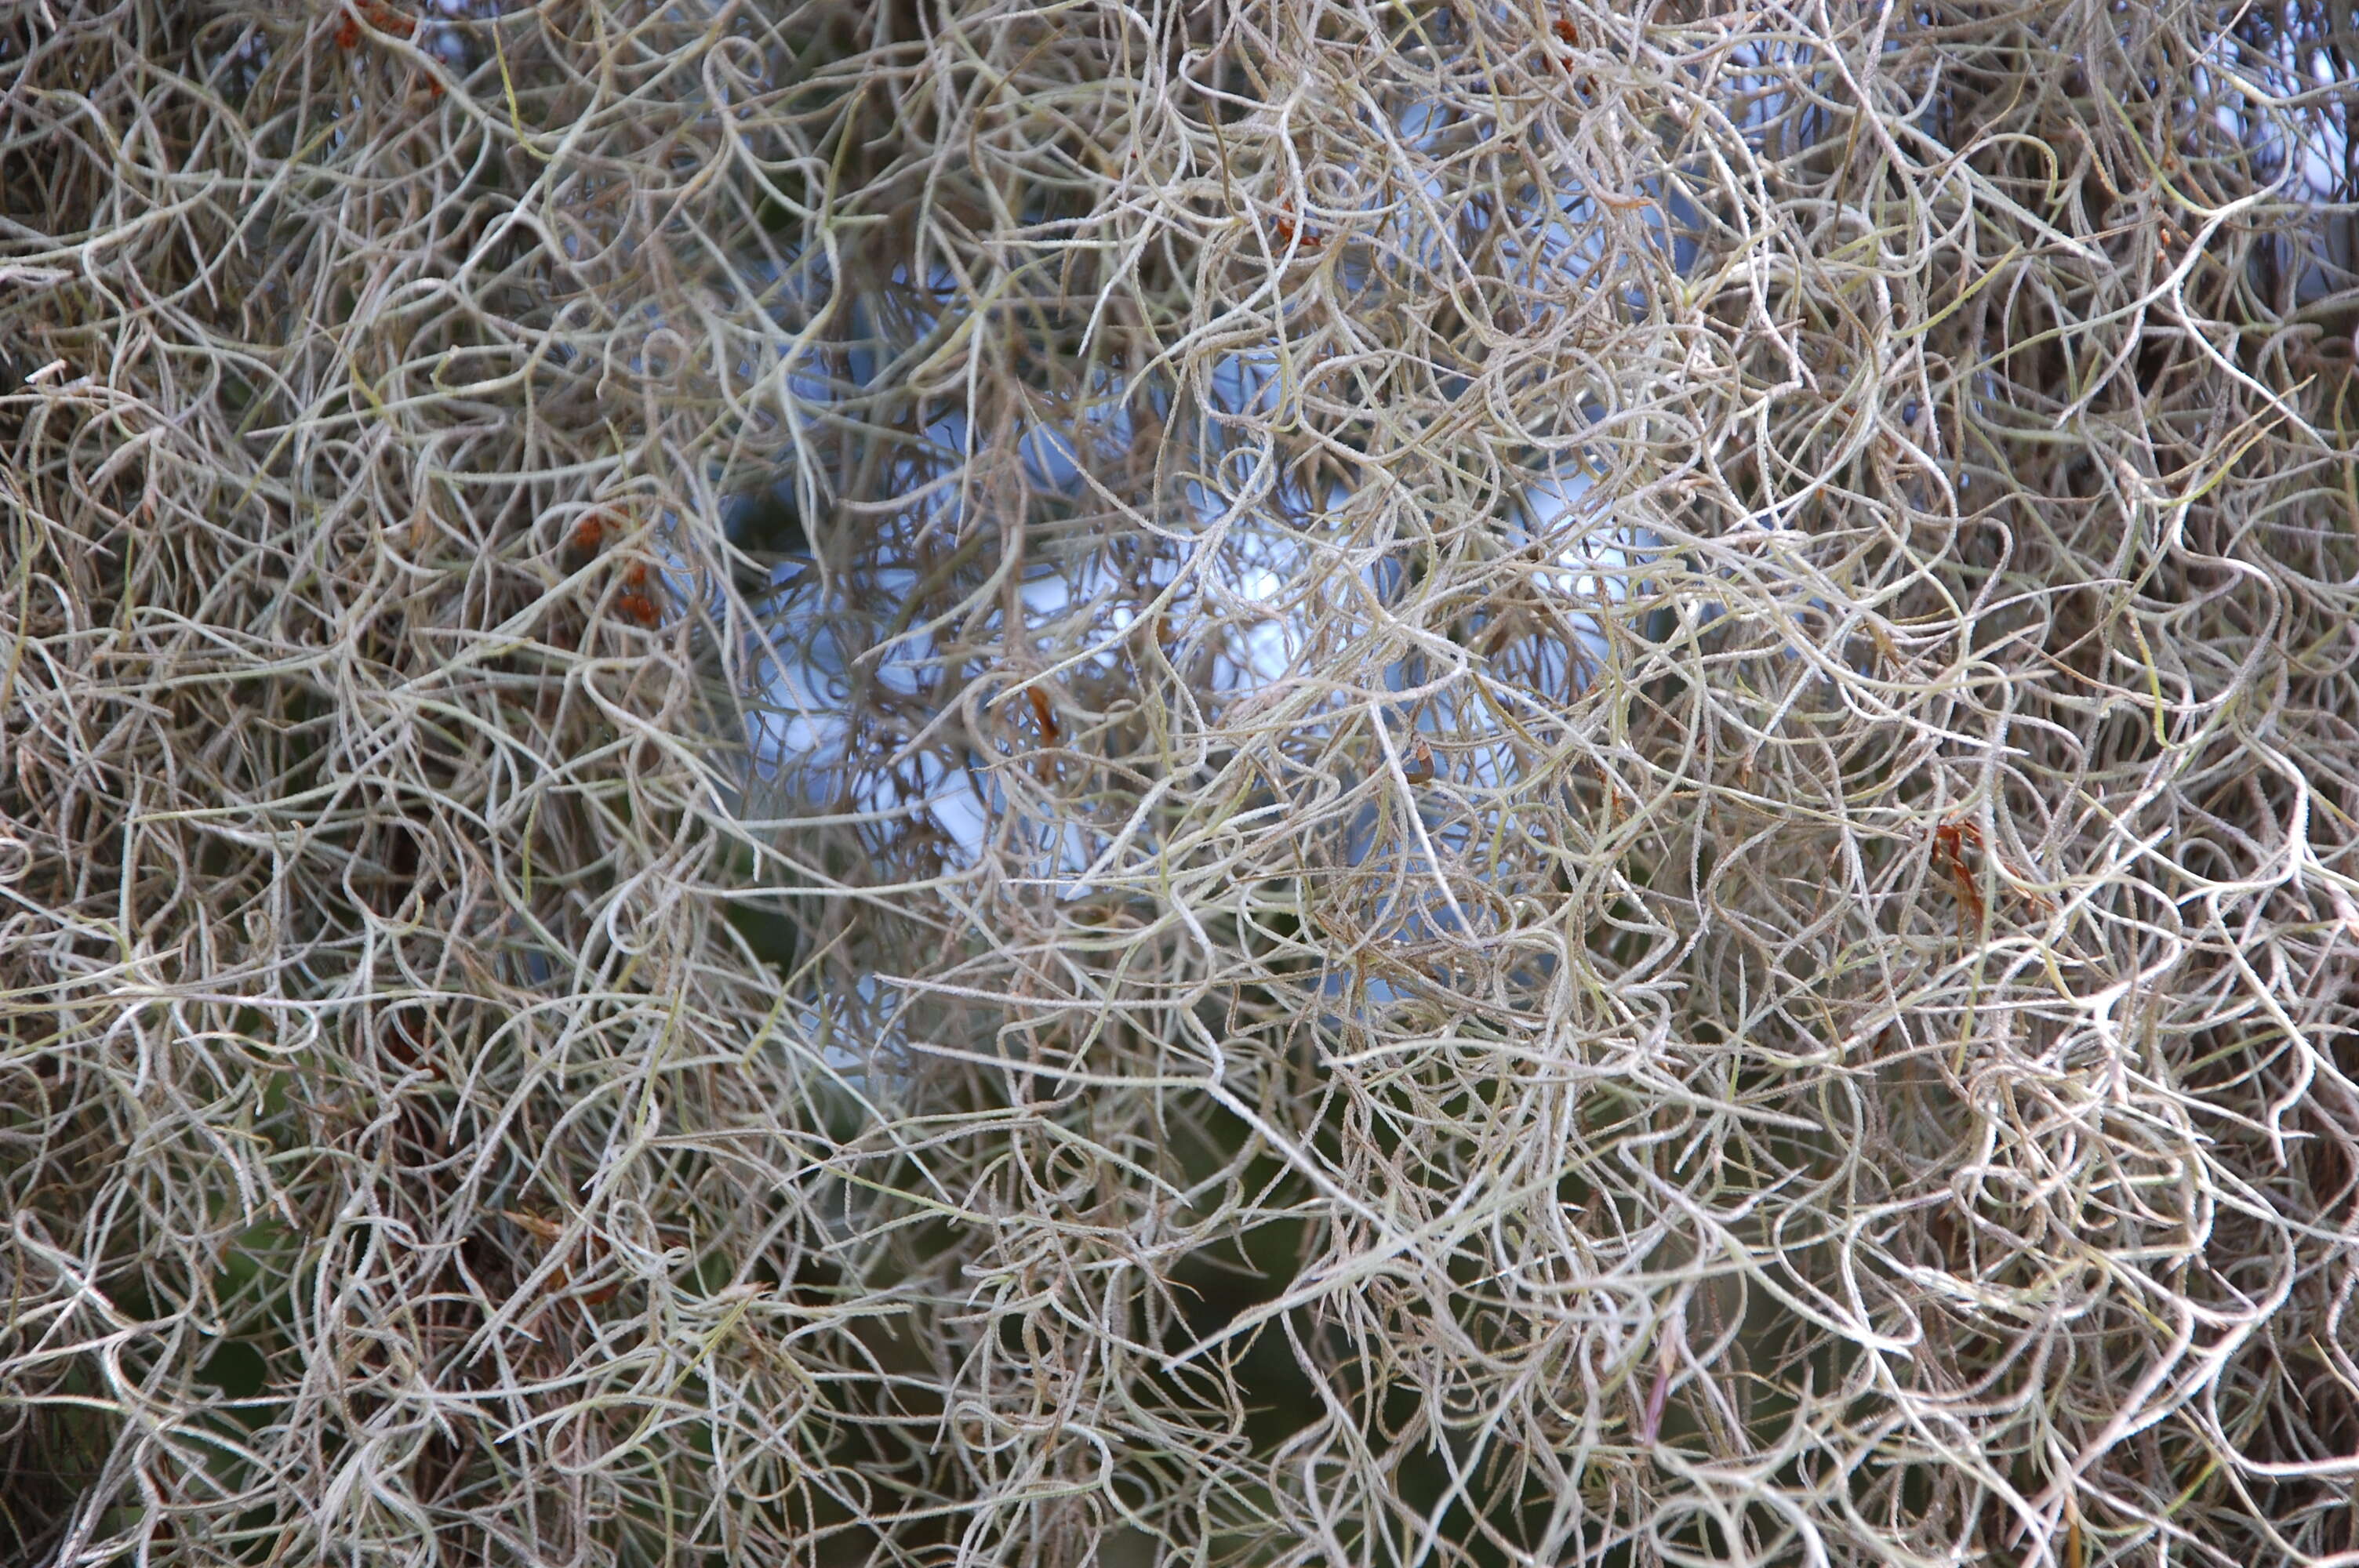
pixel 1216 782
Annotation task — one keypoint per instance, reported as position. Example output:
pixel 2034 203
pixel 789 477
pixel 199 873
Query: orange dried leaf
pixel 1951 841
pixel 388 20
pixel 1043 714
